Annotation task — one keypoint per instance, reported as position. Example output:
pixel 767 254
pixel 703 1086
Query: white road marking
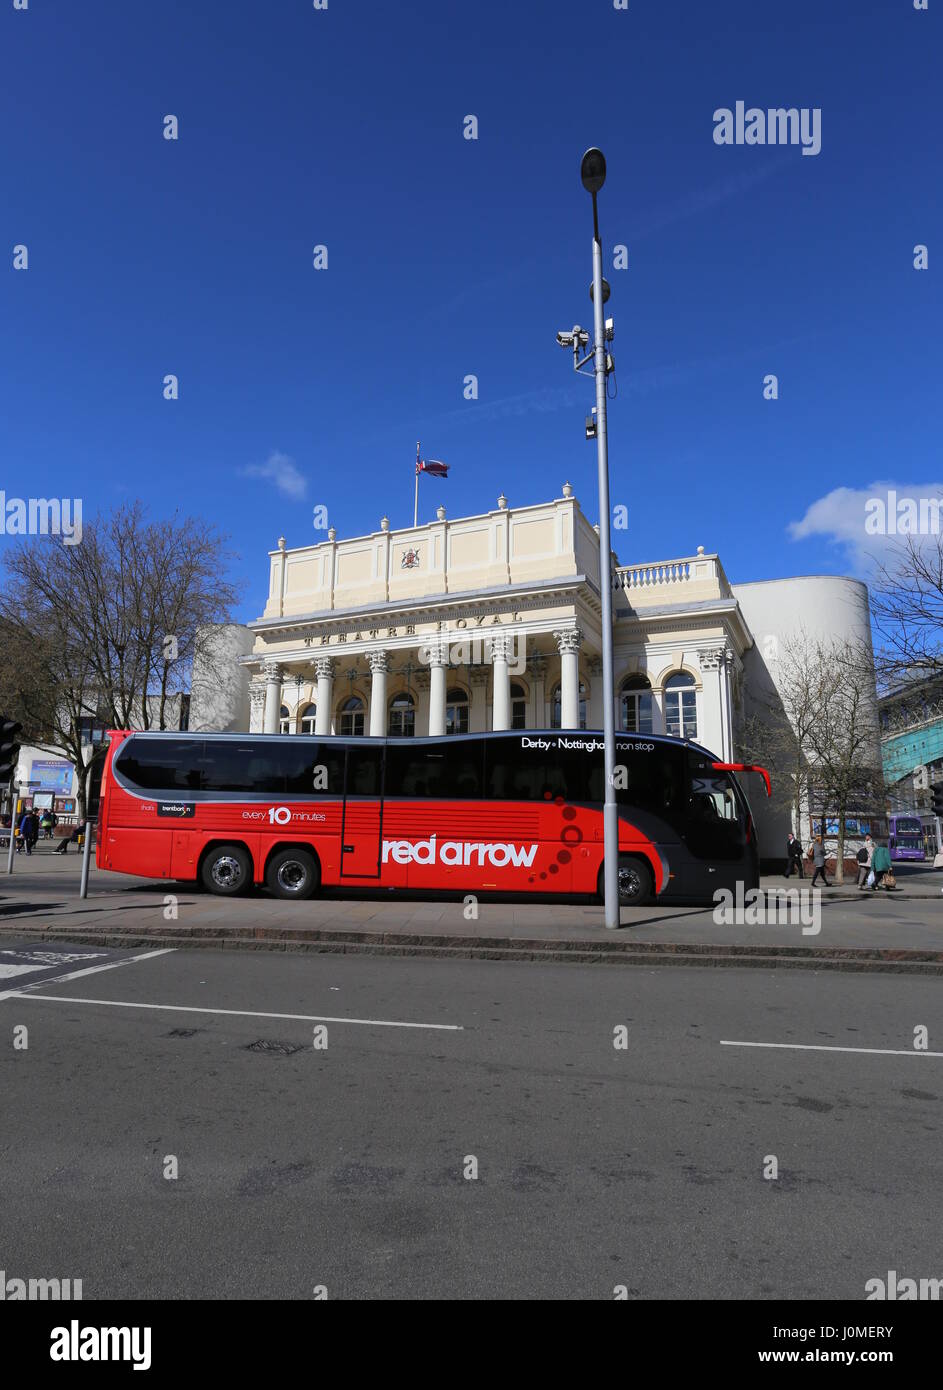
pixel 89 970
pixel 234 1013
pixel 817 1047
pixel 7 970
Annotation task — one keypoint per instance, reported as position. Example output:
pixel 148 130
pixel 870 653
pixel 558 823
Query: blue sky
pixel 449 257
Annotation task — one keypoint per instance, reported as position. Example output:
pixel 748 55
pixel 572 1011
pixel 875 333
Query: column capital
pixel 324 667
pixel 499 646
pixel 713 658
pixel 271 670
pixel 423 680
pixel 537 665
pixel 256 694
pixel 478 675
pixel 568 639
pixel 595 666
pixel 378 661
pixel 436 649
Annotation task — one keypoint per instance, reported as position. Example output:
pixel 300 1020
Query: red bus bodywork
pixel 393 842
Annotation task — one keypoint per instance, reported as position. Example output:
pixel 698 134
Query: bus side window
pixel 363 771
pixel 439 771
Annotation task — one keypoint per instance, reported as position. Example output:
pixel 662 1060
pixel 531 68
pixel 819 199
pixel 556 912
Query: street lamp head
pixel 593 170
pixel 606 291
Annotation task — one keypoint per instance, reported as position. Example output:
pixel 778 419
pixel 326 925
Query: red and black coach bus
pixel 502 813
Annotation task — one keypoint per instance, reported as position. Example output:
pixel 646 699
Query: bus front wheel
pixel 227 870
pixel 636 885
pixel 292 873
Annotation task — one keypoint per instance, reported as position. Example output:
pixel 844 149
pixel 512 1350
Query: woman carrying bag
pixel 880 867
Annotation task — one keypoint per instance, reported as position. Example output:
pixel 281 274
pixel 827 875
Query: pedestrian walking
pixel 817 855
pixel 29 830
pixel 793 856
pixel 880 865
pixel 865 854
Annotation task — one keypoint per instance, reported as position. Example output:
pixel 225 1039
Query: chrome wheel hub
pixel 292 875
pixel 630 882
pixel 226 871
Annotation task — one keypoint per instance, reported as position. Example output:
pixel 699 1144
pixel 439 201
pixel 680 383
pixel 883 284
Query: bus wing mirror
pixel 746 767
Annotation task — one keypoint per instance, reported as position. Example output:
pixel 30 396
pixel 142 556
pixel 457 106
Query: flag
pixel 433 466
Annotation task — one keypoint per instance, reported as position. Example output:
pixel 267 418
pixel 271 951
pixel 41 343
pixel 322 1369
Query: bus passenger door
pixel 362 823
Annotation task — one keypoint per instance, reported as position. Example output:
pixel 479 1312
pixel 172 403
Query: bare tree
pixel 108 628
pixel 907 605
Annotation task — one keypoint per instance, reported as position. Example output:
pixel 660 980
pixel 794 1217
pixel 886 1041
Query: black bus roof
pixel 366 739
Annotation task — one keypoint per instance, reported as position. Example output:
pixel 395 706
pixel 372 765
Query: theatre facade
pixel 493 622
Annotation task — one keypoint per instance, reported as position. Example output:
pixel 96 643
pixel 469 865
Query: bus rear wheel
pixel 292 873
pixel 227 870
pixel 636 885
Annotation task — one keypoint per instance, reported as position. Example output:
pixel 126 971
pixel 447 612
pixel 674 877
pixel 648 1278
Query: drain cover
pixel 278 1049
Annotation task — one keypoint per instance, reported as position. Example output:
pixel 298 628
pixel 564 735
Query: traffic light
pixel 9 748
pixel 937 794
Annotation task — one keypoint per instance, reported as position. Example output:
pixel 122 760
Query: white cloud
pixel 282 471
pixel 867 522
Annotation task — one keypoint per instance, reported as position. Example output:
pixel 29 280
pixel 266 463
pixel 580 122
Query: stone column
pixel 273 696
pixel 438 665
pixel 256 706
pixel 478 710
pixel 715 733
pixel 501 699
pixel 420 691
pixel 568 644
pixel 379 663
pixel 537 664
pixel 324 670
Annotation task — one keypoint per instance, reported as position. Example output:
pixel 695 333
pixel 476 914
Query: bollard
pixel 12 824
pixel 86 851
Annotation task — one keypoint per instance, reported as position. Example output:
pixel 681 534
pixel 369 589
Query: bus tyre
pixel 227 870
pixel 636 885
pixel 292 873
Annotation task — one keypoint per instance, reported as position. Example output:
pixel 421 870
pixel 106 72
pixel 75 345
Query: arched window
pixel 402 716
pixel 456 711
pixel 351 721
pixel 308 716
pixel 518 706
pixel 680 706
pixel 556 707
pixel 284 720
pixel 637 705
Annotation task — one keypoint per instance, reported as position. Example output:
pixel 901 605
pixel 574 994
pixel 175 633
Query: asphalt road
pixel 345 1166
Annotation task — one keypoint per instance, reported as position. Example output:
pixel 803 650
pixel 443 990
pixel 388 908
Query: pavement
pixel 198 1124
pixel 844 928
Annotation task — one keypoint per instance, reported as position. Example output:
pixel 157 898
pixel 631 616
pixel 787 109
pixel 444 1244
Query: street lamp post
pixel 593 175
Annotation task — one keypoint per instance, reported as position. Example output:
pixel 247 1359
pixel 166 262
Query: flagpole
pixel 416 501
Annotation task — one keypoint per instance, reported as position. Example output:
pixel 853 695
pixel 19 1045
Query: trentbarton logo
pixel 458 852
